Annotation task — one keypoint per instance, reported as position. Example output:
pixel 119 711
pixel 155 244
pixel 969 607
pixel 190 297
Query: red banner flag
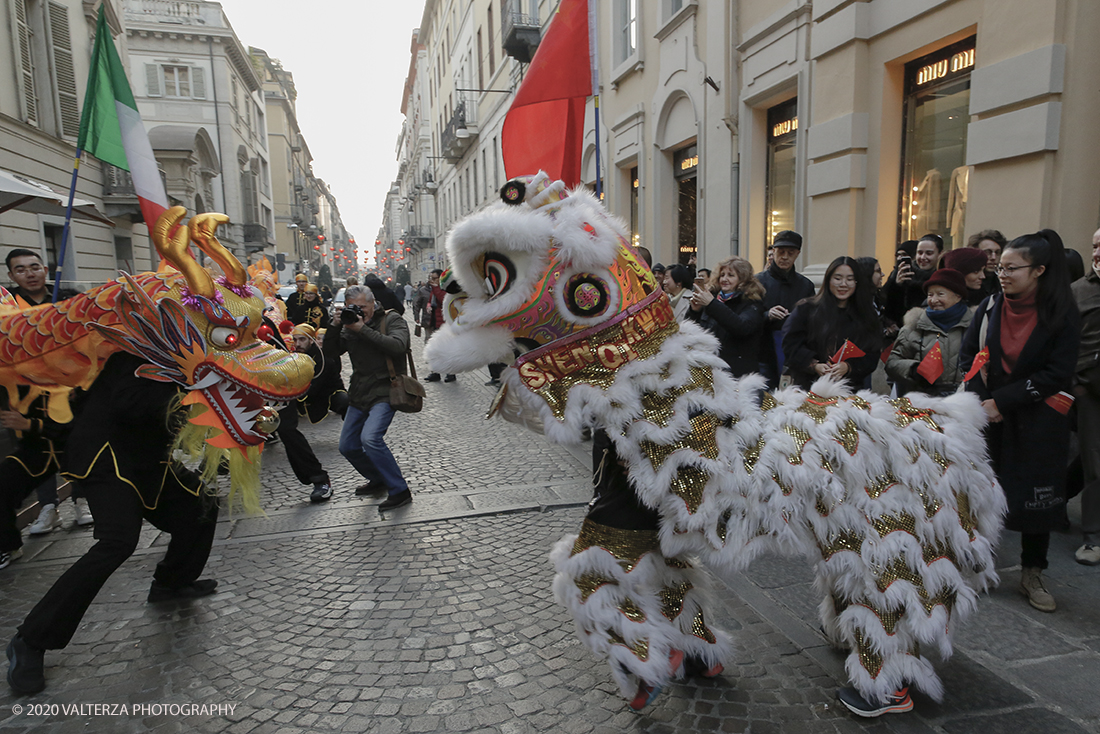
pixel 886 352
pixel 847 351
pixel 544 128
pixel 1061 402
pixel 931 367
pixel 980 360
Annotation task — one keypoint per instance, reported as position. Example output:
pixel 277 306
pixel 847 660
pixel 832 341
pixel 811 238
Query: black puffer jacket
pixel 738 324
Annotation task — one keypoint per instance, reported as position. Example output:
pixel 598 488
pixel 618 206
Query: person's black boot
pixel 26 666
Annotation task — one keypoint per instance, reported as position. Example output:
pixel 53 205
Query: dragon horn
pixel 174 250
pixel 203 227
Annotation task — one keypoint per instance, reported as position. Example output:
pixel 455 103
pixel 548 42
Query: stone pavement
pixel 439 617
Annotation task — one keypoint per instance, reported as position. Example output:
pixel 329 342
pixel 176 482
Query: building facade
pixel 859 123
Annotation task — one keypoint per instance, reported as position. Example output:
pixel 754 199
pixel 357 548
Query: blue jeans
pixel 362 442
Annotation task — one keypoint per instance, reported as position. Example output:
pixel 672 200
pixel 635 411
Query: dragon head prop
pixel 541 265
pixel 202 333
pixel 550 274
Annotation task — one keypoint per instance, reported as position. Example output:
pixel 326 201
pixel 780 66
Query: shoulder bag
pixel 406 393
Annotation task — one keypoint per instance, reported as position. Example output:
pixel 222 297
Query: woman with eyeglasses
pixel 1030 332
pixel 841 315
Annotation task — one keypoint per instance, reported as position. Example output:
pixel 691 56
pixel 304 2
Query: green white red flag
pixel 111 128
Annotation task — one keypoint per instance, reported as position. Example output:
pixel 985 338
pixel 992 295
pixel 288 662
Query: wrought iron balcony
pixel 521 32
pixel 117 182
pixel 460 132
pixel 255 233
pixel 419 233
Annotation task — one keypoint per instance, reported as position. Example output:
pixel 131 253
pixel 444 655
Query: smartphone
pixel 905 260
pixel 699 280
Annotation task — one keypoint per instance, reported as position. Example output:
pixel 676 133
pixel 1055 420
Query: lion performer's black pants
pixel 119 511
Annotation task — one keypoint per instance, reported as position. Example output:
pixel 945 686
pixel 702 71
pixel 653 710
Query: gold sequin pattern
pixel 631 611
pixel 688 485
pixel 752 455
pixel 699 629
pixel 826 464
pixel 887 524
pixel 801 438
pixel 932 552
pixel 703 439
pixel 931 504
pixel 786 489
pixel 942 461
pixel 639 648
pixel 628 546
pixel 556 392
pixel 858 402
pixel 817 407
pixel 889 618
pixel 868 658
pixel 848 437
pixel 966 519
pixel 589 582
pixel 768 402
pixel 821 507
pixel 659 407
pixel 882 483
pixel 846 540
pixel 677 563
pixel 672 599
pixel 908 413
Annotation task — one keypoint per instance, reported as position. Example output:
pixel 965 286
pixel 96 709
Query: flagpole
pixel 68 223
pixel 599 177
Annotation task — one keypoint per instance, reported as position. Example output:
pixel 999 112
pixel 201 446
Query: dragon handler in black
pixel 897 702
pixel 119 451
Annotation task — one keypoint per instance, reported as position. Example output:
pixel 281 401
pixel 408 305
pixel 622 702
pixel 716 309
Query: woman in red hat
pixel 913 363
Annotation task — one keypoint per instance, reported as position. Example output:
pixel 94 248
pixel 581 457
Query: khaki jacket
pixel 915 340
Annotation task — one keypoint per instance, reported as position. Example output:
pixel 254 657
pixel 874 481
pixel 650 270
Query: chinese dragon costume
pixel 893 500
pixel 189 328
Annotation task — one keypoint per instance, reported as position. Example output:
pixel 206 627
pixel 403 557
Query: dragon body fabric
pixel 190 328
pixel 893 500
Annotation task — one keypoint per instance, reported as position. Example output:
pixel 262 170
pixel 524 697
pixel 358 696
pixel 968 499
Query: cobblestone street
pixel 439 617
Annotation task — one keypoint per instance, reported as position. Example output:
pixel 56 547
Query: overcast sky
pixel 349 59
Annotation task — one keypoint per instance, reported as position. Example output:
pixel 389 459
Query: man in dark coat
pixel 783 289
pixel 29 275
pixel 433 317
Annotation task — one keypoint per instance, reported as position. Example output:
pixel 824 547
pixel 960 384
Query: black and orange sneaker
pixel 897 702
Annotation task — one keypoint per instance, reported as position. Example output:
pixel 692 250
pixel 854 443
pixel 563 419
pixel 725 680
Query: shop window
pixel 686 168
pixel 935 177
pixel 780 186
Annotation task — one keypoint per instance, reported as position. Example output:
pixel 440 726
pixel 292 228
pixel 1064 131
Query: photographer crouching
pixel 368 335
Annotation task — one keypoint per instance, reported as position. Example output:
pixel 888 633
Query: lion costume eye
pixel 499 274
pixel 224 337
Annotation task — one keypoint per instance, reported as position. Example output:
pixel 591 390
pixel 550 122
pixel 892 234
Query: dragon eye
pixel 499 274
pixel 224 337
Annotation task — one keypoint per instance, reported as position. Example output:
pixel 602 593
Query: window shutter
pixel 26 63
pixel 198 82
pixel 62 47
pixel 152 80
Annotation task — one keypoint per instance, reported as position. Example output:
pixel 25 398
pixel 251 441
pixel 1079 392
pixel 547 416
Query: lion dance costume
pixel 894 499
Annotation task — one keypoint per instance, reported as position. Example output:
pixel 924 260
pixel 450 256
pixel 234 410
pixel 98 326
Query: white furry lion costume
pixel 894 499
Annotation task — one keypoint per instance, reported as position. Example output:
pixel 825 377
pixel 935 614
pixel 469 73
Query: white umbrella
pixel 24 194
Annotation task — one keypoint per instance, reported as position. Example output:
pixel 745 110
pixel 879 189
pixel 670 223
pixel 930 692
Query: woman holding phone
pixel 731 307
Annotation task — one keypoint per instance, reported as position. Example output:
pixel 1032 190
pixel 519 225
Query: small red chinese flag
pixel 1061 402
pixel 886 352
pixel 931 367
pixel 979 361
pixel 847 351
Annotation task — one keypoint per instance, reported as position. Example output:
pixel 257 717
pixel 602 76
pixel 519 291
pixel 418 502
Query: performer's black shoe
pixel 450 378
pixel 25 667
pixel 433 377
pixel 695 668
pixel 193 590
pixel 396 500
pixel 896 703
pixel 371 487
pixel 322 492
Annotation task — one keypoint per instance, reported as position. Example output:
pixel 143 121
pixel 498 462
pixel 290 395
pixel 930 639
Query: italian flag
pixel 111 128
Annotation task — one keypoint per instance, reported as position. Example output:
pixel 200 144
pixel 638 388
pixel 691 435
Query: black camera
pixel 351 314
